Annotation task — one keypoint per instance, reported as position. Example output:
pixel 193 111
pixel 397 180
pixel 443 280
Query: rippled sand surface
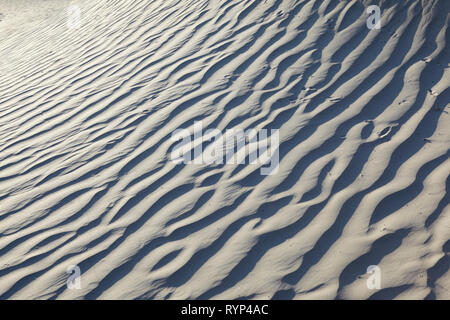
pixel 86 120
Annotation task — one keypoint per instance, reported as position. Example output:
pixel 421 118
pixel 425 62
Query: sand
pixel 87 112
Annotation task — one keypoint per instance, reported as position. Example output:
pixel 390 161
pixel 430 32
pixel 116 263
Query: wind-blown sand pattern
pixel 86 117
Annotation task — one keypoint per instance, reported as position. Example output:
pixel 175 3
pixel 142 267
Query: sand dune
pixel 87 112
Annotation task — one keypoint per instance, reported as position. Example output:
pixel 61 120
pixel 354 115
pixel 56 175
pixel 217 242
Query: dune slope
pixel 87 113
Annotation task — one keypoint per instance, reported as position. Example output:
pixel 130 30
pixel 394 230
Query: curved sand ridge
pixel 86 117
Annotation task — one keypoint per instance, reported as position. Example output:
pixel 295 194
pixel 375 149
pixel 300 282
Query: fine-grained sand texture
pixel 87 114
